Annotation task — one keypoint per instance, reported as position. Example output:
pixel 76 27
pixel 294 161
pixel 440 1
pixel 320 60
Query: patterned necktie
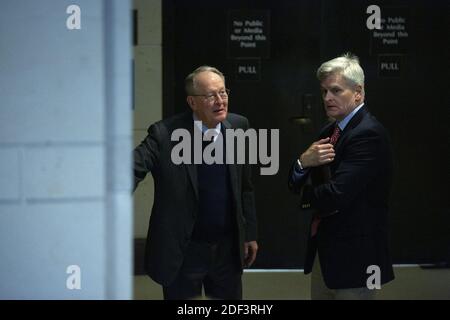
pixel 333 139
pixel 335 136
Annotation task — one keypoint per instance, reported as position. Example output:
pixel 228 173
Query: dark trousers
pixel 213 266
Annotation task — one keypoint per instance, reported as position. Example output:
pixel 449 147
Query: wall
pixel 65 136
pixel 148 96
pixel 303 34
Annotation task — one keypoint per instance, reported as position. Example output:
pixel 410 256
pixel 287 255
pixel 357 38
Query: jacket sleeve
pixel 299 182
pixel 146 155
pixel 297 179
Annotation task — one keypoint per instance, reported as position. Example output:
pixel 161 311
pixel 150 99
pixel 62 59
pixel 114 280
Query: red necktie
pixel 333 139
pixel 335 136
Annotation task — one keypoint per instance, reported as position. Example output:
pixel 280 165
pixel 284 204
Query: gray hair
pixel 347 66
pixel 189 82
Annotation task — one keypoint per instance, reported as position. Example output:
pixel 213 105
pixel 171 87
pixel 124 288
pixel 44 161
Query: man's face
pixel 213 109
pixel 339 97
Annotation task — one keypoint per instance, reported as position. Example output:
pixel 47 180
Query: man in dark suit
pixel 202 229
pixel 345 178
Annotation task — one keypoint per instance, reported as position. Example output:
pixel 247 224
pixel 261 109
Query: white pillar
pixel 65 141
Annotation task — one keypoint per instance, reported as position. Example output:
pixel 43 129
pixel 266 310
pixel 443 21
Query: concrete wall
pixel 65 140
pixel 147 96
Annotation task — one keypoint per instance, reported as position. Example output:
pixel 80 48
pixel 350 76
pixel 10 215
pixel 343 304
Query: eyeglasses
pixel 211 97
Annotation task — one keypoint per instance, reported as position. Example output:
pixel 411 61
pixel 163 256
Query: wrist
pixel 301 162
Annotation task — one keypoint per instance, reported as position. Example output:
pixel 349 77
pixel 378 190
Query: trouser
pixel 215 267
pixel 319 291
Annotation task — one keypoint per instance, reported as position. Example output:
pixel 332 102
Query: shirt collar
pixel 343 123
pixel 204 128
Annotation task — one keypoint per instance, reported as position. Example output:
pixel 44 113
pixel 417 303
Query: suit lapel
pixel 327 132
pixel 188 124
pixel 232 167
pixel 349 127
pixel 192 172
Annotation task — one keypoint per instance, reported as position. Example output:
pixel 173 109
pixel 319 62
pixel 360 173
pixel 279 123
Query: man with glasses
pixel 202 229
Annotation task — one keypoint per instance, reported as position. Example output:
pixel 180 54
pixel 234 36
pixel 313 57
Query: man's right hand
pixel 319 153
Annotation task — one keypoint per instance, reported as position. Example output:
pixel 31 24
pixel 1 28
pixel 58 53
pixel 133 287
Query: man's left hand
pixel 250 249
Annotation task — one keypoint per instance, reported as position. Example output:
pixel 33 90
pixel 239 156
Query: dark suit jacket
pixel 175 205
pixel 353 204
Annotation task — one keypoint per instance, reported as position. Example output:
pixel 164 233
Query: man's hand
pixel 250 249
pixel 319 153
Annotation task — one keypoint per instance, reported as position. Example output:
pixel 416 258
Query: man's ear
pixel 359 95
pixel 191 102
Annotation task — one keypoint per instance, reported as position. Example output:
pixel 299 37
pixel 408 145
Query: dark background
pixel 413 106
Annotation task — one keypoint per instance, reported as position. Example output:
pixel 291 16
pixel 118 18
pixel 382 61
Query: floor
pixel 411 283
